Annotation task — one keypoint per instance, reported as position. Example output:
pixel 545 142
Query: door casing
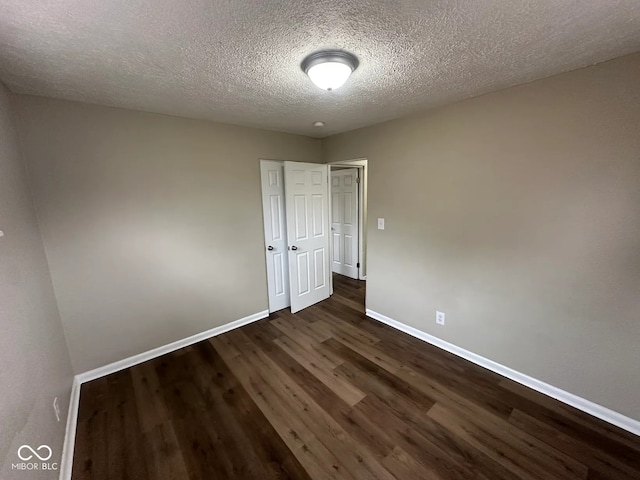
pixel 362 165
pixel 345 224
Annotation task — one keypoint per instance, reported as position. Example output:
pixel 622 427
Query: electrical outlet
pixel 56 408
pixel 381 224
pixel 440 318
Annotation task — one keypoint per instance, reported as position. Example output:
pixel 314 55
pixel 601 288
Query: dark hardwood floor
pixel 331 394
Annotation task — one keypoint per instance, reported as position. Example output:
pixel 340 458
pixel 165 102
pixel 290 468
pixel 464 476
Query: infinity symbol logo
pixel 35 452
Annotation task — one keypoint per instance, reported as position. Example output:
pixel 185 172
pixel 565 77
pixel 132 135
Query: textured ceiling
pixel 238 61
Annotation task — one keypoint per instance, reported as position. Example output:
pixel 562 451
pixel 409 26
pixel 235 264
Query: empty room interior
pixel 319 240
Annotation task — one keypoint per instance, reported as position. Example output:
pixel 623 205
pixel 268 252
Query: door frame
pixel 354 229
pixel 362 164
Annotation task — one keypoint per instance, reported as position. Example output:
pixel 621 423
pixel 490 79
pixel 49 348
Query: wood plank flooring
pixel 330 394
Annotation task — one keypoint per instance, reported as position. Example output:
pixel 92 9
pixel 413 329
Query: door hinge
pixel 357 179
pixel 358 265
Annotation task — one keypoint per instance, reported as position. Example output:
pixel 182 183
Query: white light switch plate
pixel 381 224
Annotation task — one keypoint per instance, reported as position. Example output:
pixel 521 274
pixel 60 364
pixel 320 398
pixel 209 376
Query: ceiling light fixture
pixel 329 69
pixel 318 124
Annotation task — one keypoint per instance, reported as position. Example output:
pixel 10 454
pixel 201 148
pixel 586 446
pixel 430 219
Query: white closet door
pixel 275 234
pixel 344 222
pixel 306 193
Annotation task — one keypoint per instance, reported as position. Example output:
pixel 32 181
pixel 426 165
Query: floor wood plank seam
pixel 331 394
pixel 587 406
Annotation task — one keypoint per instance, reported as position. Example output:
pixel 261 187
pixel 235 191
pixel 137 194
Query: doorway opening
pixel 348 206
pixel 314 217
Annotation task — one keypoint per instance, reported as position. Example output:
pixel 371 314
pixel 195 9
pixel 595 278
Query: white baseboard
pixel 603 413
pixel 66 462
pixel 170 347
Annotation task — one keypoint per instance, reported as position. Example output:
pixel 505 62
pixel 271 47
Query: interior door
pixel 344 222
pixel 275 234
pixel 307 207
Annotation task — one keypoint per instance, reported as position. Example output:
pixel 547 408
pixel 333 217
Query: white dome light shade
pixel 330 75
pixel 329 70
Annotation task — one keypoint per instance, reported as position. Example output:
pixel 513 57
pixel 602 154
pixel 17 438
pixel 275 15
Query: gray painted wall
pixel 517 214
pixel 153 224
pixel 34 362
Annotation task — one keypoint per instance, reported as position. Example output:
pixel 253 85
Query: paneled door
pixel 307 207
pixel 275 234
pixel 344 222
